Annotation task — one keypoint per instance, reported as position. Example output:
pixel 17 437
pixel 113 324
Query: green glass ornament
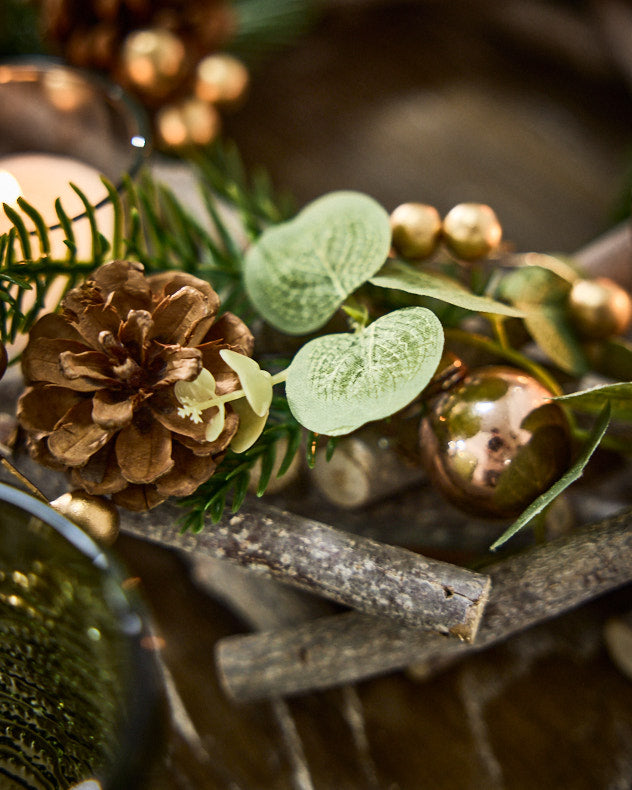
pixel 495 441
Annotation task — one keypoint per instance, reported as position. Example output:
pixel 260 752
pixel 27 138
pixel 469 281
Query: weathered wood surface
pixel 364 574
pixel 527 588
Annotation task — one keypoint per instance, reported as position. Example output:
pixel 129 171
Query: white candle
pixel 41 179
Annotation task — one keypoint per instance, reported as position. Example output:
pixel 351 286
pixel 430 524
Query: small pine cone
pixel 100 398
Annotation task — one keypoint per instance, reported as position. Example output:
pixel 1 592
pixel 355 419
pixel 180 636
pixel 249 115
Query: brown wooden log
pixel 363 574
pixel 527 588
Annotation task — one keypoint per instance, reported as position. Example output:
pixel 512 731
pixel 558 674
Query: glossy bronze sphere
pixel 415 228
pixel 471 231
pixel 600 308
pixel 494 442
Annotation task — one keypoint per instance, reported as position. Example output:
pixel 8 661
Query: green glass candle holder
pixel 80 702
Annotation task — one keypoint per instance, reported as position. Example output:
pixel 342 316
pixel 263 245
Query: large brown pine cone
pixel 101 374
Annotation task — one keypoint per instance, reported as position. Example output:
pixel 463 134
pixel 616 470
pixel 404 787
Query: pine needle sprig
pixel 232 479
pixel 222 173
pixel 149 225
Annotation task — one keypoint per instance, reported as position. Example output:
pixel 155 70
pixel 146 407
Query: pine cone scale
pixel 189 472
pixel 177 316
pixel 181 364
pixel 96 319
pixel 143 453
pixel 40 360
pixel 40 409
pixel 89 369
pixel 77 438
pixel 110 413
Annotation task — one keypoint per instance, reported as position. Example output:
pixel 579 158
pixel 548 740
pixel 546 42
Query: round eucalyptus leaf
pixel 336 383
pixel 298 273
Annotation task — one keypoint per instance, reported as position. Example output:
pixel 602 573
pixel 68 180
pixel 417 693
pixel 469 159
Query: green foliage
pixel 542 294
pixel 618 397
pixel 336 383
pixel 402 276
pixel 156 229
pixel 571 476
pixel 298 273
pixel 233 477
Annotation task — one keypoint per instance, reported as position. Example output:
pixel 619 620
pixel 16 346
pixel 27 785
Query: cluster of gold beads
pixel 155 65
pixel 469 231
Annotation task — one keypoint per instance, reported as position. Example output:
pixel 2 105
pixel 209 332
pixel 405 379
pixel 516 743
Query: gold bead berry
pixel 191 122
pixel 153 60
pixel 471 231
pixel 96 515
pixel 221 79
pixel 416 228
pixel 600 308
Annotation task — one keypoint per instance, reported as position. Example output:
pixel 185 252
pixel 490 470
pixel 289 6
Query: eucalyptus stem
pixel 498 325
pixel 517 357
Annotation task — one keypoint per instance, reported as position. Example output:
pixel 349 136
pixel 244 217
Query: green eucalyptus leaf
pixel 543 295
pixel 298 273
pixel 617 396
pixel 534 285
pixel 560 265
pixel 336 383
pixel 548 326
pixel 611 357
pixel 403 277
pixel 573 474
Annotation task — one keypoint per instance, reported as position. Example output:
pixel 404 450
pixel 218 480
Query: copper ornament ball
pixel 600 308
pixel 494 442
pixel 471 231
pixel 415 228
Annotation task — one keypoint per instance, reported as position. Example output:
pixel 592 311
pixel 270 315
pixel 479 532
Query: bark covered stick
pixel 526 589
pixel 363 574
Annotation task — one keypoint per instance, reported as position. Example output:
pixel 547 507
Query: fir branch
pixel 222 172
pixel 263 26
pixel 232 477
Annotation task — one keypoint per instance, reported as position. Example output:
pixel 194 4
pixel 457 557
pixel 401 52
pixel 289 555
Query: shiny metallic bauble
pixel 495 442
pixel 191 122
pixel 94 514
pixel 471 231
pixel 600 308
pixel 221 79
pixel 153 61
pixel 415 228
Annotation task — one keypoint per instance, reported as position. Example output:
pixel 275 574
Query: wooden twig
pixel 363 574
pixel 527 588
